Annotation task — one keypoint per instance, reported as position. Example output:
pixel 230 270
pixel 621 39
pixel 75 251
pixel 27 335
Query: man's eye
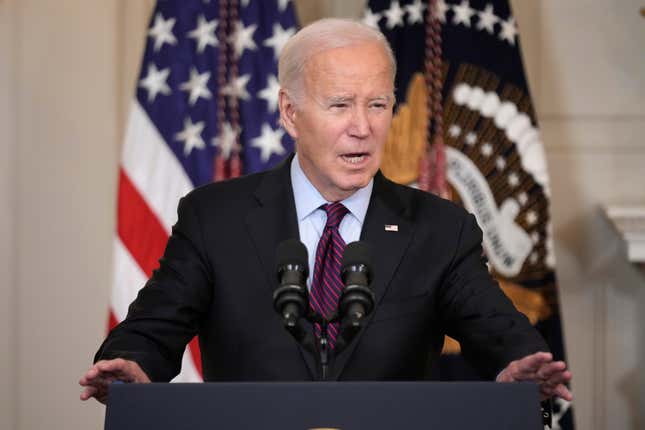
pixel 379 106
pixel 339 105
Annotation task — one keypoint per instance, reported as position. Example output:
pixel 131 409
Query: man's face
pixel 341 123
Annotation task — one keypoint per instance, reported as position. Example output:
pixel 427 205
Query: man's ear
pixel 287 113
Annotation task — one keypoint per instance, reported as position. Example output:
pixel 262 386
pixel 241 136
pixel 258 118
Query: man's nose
pixel 360 125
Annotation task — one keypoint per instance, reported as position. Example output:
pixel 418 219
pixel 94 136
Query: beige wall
pixel 7 220
pixel 67 71
pixel 59 85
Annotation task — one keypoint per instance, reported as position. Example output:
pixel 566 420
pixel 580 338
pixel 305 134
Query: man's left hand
pixel 540 368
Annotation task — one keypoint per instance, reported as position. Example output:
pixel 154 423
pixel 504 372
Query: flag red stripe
pixel 112 320
pixel 193 347
pixel 138 227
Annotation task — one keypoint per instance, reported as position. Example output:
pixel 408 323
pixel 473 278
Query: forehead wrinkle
pixel 327 78
pixel 338 66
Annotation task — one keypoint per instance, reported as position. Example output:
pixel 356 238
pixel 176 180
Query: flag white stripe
pixel 128 279
pixel 153 168
pixel 188 372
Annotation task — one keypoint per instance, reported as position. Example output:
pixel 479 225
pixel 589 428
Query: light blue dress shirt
pixel 312 219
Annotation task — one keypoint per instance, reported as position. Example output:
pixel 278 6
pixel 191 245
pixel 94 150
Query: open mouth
pixel 355 157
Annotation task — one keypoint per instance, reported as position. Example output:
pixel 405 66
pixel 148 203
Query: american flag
pixel 205 109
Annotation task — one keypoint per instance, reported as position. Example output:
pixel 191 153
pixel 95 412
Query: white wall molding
pixel 629 222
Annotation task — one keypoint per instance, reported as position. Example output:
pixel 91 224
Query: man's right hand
pixel 98 378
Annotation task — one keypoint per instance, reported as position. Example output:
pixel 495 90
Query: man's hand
pixel 97 380
pixel 540 368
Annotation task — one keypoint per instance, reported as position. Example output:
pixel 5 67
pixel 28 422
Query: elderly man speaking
pixel 217 275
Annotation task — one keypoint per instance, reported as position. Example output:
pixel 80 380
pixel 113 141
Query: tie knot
pixel 335 213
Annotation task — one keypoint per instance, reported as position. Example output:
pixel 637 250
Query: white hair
pixel 320 36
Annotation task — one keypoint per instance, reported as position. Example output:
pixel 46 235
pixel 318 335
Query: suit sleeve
pixel 167 311
pixel 477 313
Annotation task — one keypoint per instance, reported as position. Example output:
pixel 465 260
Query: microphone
pixel 357 299
pixel 290 296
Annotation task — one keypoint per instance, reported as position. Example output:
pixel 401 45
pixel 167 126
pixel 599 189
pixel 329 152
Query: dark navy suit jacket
pixel 217 276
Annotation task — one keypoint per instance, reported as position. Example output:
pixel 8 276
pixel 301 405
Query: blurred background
pixel 67 76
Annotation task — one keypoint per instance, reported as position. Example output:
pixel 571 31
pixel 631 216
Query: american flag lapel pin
pixel 391 227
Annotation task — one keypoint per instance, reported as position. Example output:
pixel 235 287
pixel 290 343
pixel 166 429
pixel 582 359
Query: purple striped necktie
pixel 327 284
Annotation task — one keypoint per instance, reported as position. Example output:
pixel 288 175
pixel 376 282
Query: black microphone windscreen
pixel 291 251
pixel 357 253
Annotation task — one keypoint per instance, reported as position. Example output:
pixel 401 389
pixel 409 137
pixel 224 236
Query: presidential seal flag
pixel 205 109
pixel 465 128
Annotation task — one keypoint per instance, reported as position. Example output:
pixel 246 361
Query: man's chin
pixel 354 184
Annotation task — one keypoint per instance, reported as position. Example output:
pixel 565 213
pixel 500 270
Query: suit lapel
pixel 273 221
pixel 388 248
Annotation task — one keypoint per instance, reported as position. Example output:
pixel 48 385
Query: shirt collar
pixel 308 198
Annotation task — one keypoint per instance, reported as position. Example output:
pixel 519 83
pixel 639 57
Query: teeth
pixel 353 159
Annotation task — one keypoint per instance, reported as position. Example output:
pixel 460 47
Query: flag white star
pixel 245 3
pixel 282 5
pixel 509 31
pixel 269 142
pixel 242 38
pixel 370 18
pixel 500 163
pixel 204 33
pixel 535 237
pixel 237 88
pixel 415 12
pixel 226 141
pixel 440 10
pixel 279 39
pixel 196 85
pixel 513 180
pixel 191 135
pixel 487 19
pixel 161 31
pixel 471 138
pixel 533 258
pixel 523 198
pixel 394 15
pixel 454 131
pixel 487 149
pixel 155 82
pixel 463 13
pixel 531 217
pixel 270 93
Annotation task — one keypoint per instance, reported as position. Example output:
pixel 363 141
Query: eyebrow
pixel 338 99
pixel 347 98
pixel 385 97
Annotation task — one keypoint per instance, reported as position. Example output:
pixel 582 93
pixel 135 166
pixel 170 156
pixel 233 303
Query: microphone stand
pixel 323 349
pixel 325 353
